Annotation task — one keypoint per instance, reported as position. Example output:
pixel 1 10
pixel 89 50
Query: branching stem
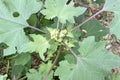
pixel 54 62
pixel 87 20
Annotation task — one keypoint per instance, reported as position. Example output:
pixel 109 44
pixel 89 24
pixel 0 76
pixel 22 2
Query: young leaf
pixel 52 49
pixel 93 63
pixel 13 16
pixel 59 8
pixel 40 45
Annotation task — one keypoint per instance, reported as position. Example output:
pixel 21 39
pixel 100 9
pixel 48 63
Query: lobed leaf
pixel 93 62
pixel 59 8
pixel 13 16
pixel 39 45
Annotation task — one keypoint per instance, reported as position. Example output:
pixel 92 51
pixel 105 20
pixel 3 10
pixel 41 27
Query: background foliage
pixel 59 40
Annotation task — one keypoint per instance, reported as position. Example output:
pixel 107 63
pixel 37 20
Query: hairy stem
pixel 32 27
pixel 87 20
pixel 56 58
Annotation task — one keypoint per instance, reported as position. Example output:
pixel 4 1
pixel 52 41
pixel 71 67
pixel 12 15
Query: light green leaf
pixel 39 74
pixel 33 75
pixel 13 16
pixel 115 25
pixel 3 77
pixel 111 5
pixel 114 77
pixel 52 49
pixel 58 8
pixel 44 68
pixel 39 45
pixel 93 63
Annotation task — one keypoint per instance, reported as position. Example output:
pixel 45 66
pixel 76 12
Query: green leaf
pixel 3 77
pixel 114 25
pixel 94 28
pixel 39 74
pixel 13 16
pixel 52 49
pixel 93 62
pixel 69 58
pixel 32 20
pixel 99 1
pixel 44 67
pixel 58 8
pixel 75 33
pixel 22 59
pixel 18 69
pixel 39 45
pixel 111 5
pixel 115 77
pixel 34 75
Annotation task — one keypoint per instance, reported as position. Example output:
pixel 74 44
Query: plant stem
pixel 22 78
pixel 56 58
pixel 72 52
pixel 37 29
pixel 87 20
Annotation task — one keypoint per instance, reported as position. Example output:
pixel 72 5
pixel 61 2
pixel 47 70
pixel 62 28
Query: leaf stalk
pixel 32 27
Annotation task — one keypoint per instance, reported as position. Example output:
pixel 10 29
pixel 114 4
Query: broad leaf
pixel 93 63
pixel 59 8
pixel 94 28
pixel 111 5
pixel 13 16
pixel 39 45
